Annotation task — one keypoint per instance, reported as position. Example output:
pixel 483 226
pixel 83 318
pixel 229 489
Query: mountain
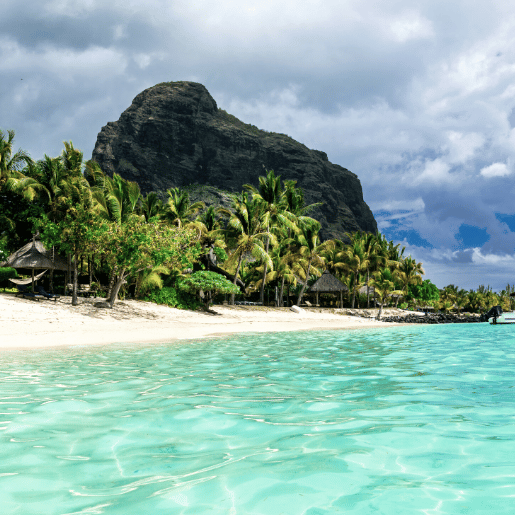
pixel 174 135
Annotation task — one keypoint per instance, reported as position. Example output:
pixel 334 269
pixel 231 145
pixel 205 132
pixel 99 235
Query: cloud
pixel 411 26
pixel 419 105
pixel 495 170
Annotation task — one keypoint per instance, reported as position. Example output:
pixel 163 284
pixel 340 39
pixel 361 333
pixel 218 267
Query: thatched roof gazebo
pixel 328 283
pixel 35 256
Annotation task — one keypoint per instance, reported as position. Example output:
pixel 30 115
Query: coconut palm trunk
pixel 265 269
pixel 281 293
pixel 299 299
pixel 240 259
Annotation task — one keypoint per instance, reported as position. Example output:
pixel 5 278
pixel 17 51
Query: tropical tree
pixel 151 206
pixel 274 213
pixel 309 256
pixel 245 233
pixel 136 245
pixel 356 261
pixel 206 285
pixel 12 180
pixel 408 272
pixel 179 211
pixel 384 287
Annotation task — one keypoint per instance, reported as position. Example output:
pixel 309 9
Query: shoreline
pixel 27 324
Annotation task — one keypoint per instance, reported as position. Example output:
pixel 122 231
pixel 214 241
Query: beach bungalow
pixel 328 283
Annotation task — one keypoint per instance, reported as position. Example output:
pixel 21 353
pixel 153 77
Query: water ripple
pixel 407 420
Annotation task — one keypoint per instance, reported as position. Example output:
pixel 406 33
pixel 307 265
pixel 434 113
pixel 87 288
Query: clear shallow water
pixel 414 420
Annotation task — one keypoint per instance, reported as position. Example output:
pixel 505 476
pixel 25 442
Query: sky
pixel 415 97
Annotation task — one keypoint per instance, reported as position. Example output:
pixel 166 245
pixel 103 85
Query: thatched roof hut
pixel 328 283
pixel 34 255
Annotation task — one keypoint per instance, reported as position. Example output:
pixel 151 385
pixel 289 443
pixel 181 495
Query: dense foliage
pixel 6 274
pixel 265 244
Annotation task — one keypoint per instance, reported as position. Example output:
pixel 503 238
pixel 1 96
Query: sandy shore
pixel 27 324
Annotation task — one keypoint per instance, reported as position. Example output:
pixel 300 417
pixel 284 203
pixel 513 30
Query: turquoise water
pixel 412 420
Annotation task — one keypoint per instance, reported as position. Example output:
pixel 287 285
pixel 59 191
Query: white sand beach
pixel 28 324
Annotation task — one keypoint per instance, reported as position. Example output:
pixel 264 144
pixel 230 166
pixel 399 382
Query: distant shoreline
pixel 27 324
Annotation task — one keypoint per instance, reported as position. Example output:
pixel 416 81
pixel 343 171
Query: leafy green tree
pixel 384 287
pixel 425 292
pixel 136 245
pixel 310 250
pixel 6 274
pixel 274 214
pixel 408 272
pixel 11 162
pixel 245 233
pixel 206 285
pixel 356 261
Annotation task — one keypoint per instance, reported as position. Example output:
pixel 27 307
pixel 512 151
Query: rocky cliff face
pixel 173 134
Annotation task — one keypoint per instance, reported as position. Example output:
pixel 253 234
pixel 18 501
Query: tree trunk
pixel 354 290
pixel 111 283
pixel 213 267
pixel 299 299
pixel 380 310
pixel 262 291
pixel 68 274
pixel 281 293
pixel 368 289
pixel 240 259
pixel 120 279
pixel 75 300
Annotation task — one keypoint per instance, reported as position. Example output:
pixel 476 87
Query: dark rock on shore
pixel 174 135
pixel 435 318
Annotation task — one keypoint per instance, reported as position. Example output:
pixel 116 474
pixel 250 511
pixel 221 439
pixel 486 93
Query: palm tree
pixel 11 162
pixel 11 165
pixel 271 195
pixel 179 210
pixel 384 287
pixel 209 224
pixel 120 198
pixel 151 206
pixel 356 261
pixel 409 272
pixel 150 278
pixel 309 253
pixel 246 233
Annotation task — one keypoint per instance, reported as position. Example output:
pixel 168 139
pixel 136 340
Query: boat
pixel 497 316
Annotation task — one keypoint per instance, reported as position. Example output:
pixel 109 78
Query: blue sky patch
pixel 470 236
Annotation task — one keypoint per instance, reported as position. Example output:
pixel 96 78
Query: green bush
pixel 206 285
pixel 5 275
pixel 404 305
pixel 173 297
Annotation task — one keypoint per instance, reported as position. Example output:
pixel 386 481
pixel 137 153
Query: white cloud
pixel 492 259
pixel 434 171
pixel 390 205
pixel 463 147
pixel 411 26
pixel 495 170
